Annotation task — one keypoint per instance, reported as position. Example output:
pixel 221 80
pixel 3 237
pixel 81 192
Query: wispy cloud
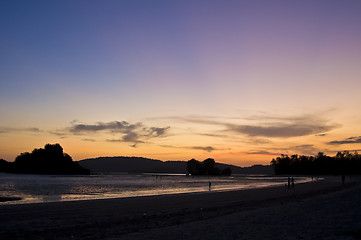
pixel 114 126
pixel 269 126
pixel 156 131
pixel 88 140
pixel 215 135
pixel 11 130
pixel 262 153
pixel 203 148
pixel 207 148
pixel 306 149
pixel 132 133
pixel 350 140
pixel 283 126
pixel 280 130
pixel 210 120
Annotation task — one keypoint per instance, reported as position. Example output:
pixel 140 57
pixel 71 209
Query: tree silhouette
pixel 48 160
pixel 207 167
pixel 6 166
pixel 195 167
pixel 342 163
pixel 227 171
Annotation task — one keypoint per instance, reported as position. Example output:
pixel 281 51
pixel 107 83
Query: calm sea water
pixel 50 188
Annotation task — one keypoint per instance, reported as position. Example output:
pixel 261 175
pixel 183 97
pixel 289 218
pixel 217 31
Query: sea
pixel 56 188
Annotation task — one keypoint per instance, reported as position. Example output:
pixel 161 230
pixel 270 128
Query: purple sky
pixel 240 81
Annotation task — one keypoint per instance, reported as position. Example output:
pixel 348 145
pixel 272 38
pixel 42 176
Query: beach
pixel 323 209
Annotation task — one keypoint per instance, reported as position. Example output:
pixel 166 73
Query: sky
pixel 238 81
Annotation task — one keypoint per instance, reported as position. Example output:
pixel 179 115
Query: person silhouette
pixel 209 185
pixel 289 182
pixel 293 182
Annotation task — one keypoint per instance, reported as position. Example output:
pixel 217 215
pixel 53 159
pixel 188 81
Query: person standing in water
pixel 209 185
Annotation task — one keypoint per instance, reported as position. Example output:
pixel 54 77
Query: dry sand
pixel 317 210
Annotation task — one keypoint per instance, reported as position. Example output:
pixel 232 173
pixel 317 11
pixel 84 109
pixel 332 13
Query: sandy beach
pixel 317 210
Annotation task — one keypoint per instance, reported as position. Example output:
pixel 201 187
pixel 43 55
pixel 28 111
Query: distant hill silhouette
pixel 146 165
pixel 132 165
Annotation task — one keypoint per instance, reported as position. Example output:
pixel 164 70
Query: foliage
pixel 342 163
pixel 207 167
pixel 226 171
pixel 48 160
pixel 6 166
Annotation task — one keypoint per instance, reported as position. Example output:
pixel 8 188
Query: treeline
pixel 342 163
pixel 207 167
pixel 48 160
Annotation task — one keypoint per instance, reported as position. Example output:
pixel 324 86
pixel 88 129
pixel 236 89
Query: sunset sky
pixel 237 81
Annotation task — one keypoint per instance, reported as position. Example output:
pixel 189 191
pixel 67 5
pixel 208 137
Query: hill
pixel 132 165
pixel 146 165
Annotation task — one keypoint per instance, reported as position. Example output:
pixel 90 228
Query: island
pixel 48 160
pixel 207 167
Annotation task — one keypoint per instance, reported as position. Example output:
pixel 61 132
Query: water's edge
pixel 24 189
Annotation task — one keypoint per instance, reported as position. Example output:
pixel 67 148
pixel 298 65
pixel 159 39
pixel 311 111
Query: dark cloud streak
pixel 114 126
pixel 270 126
pixel 203 148
pixel 11 130
pixel 350 140
pixel 132 133
pixel 280 130
pixel 207 148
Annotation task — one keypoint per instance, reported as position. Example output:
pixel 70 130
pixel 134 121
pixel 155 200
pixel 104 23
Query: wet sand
pixel 7 199
pixel 316 210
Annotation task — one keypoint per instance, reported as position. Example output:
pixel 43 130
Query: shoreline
pixel 124 216
pixel 8 199
pixel 85 196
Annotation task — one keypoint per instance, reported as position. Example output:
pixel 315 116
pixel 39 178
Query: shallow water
pixel 52 188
